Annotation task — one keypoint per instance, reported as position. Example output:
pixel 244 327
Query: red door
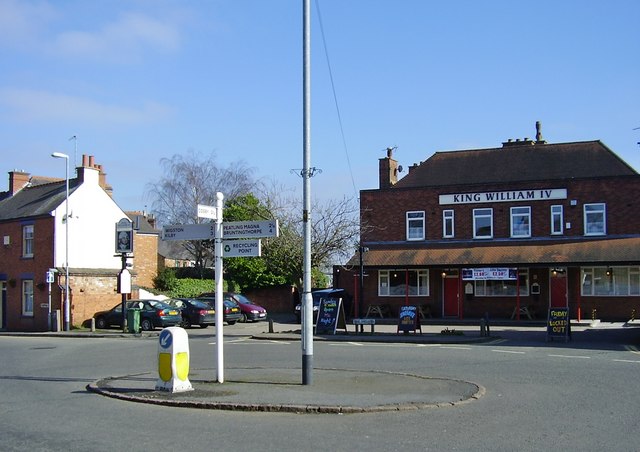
pixel 451 296
pixel 558 289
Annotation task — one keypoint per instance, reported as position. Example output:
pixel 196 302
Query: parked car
pixel 153 313
pixel 232 312
pixel 251 312
pixel 318 295
pixel 194 312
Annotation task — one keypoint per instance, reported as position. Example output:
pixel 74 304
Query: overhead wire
pixel 335 97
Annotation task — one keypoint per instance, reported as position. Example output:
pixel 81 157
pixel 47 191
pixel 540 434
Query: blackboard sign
pixel 558 324
pixel 330 316
pixel 408 319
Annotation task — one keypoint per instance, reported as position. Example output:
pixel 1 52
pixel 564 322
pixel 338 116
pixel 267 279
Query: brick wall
pixel 145 258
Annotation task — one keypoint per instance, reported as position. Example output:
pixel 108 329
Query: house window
pixel 447 224
pixel 557 220
pixel 415 225
pixel 594 219
pixel 27 297
pixel 482 223
pixel 521 222
pixel 27 241
pixel 503 288
pixel 610 281
pixel 393 283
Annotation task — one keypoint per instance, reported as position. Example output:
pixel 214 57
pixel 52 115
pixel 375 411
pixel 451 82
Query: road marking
pixel 626 361
pixel 456 347
pixel 509 351
pixel 570 356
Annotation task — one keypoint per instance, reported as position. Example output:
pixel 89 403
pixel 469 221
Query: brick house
pixel 508 231
pixel 33 230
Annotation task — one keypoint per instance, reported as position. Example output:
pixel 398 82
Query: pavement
pixel 332 390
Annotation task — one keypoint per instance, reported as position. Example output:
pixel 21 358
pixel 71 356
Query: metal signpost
pixel 124 245
pixel 223 248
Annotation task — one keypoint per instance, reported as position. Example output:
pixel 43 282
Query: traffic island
pixel 335 391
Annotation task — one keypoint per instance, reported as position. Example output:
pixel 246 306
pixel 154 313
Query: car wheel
pixel 186 323
pixel 101 323
pixel 232 322
pixel 146 325
pixel 204 325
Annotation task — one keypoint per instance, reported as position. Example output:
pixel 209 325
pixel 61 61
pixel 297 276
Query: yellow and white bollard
pixel 173 360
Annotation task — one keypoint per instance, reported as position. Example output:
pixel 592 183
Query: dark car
pixel 153 313
pixel 232 312
pixel 321 294
pixel 194 312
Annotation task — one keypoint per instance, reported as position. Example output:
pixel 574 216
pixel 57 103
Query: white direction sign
pixel 206 212
pixel 249 229
pixel 241 248
pixel 203 231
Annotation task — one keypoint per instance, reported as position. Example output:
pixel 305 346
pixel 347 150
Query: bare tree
pixel 194 179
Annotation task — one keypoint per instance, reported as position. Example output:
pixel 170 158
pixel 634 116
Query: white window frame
pixel 415 217
pixel 592 227
pixel 448 218
pixel 518 214
pixel 557 213
pixel 610 281
pixel 482 213
pixel 421 278
pixel 503 288
pixel 27 240
pixel 27 297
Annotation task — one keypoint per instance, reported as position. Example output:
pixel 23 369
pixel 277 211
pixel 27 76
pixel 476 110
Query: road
pixel 540 395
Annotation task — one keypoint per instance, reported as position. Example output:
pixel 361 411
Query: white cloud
pixel 33 105
pixel 123 39
pixel 21 21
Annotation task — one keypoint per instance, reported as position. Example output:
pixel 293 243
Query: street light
pixel 60 155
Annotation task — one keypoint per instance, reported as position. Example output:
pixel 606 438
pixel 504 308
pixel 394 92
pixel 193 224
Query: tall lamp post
pixel 60 155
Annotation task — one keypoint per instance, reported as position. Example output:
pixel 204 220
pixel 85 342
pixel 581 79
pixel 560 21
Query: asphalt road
pixel 540 395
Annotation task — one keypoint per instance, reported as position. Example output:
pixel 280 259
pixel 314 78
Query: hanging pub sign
pixel 479 274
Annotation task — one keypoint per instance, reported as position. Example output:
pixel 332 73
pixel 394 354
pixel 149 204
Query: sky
pixel 136 81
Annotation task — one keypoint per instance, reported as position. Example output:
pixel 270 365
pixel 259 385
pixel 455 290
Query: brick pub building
pixel 507 231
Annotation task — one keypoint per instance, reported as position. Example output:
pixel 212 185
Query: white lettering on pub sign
pixel 538 194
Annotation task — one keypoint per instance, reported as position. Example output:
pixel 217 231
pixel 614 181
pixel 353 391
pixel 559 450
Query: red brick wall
pixel 145 258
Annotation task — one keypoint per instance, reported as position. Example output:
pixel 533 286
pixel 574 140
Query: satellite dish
pixel 400 168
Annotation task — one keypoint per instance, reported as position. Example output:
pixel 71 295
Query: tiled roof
pixel 595 252
pixel 33 201
pixel 517 163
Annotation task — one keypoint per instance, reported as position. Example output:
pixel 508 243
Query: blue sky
pixel 140 80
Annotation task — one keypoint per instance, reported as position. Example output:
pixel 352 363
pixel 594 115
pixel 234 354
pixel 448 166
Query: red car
pixel 251 312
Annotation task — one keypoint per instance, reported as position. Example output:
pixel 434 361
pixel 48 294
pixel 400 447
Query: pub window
pixel 595 219
pixel 482 223
pixel 27 241
pixel 393 283
pixel 610 281
pixel 447 224
pixel 503 287
pixel 415 225
pixel 557 220
pixel 521 222
pixel 27 297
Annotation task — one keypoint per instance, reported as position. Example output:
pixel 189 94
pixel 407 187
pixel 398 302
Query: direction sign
pixel 241 248
pixel 203 231
pixel 206 212
pixel 249 229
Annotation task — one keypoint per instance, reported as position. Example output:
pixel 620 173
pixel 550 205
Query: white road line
pixel 626 361
pixel 570 356
pixel 509 351
pixel 456 347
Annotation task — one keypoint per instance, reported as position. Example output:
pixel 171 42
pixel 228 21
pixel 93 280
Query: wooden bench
pixel 362 322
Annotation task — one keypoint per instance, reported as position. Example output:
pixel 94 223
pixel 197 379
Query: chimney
pixel 17 181
pixel 539 139
pixel 388 170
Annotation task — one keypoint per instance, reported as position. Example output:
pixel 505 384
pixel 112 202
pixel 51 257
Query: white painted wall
pixel 93 217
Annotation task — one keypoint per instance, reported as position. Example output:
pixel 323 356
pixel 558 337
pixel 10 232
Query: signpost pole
pixel 219 288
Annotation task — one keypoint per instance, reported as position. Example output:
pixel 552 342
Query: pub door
pixel 558 288
pixel 451 295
